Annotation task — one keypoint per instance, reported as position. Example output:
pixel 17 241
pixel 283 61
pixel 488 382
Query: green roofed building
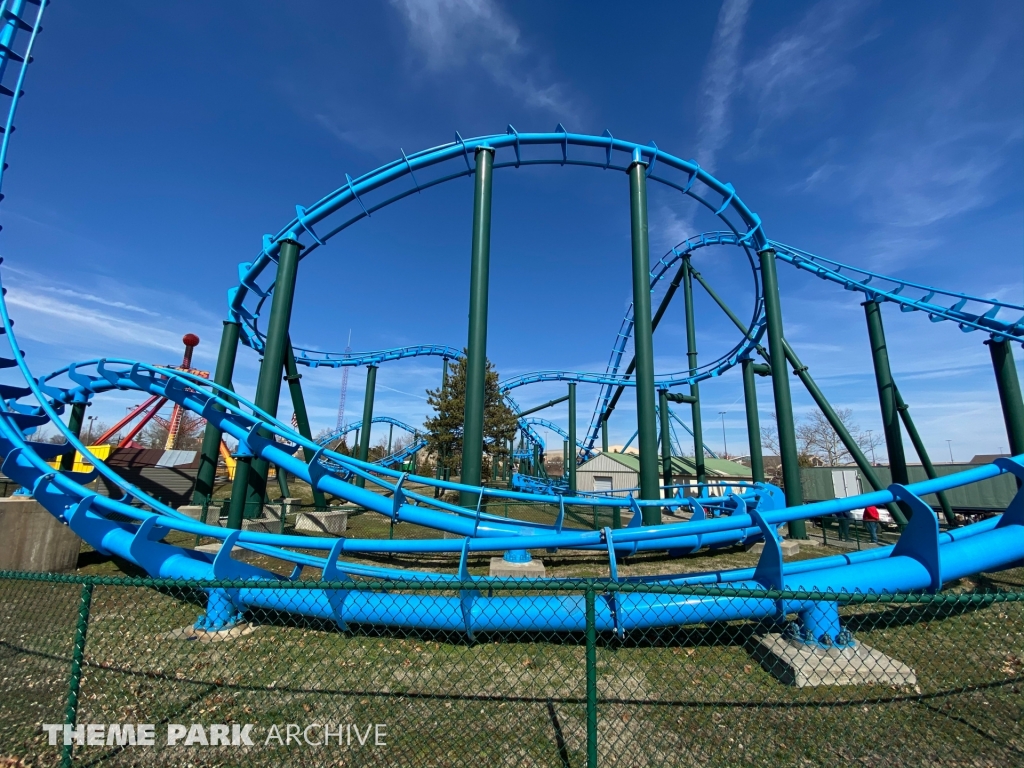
pixel 619 473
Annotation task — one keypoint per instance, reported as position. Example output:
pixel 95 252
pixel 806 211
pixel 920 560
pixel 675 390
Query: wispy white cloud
pixel 718 81
pixel 453 34
pixel 805 62
pixel 81 296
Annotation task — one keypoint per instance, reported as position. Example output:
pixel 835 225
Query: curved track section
pixel 660 272
pixel 398 457
pixel 135 526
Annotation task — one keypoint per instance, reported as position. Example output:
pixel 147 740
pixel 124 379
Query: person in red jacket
pixel 871 521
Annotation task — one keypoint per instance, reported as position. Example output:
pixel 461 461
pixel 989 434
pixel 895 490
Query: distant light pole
pixel 871 444
pixel 949 444
pixel 725 451
pixel 88 439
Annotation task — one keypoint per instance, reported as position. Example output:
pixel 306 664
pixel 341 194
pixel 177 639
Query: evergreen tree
pixel 444 428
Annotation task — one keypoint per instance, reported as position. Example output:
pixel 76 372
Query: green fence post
pixel 364 437
pixel 780 388
pixel 591 677
pixel 643 340
pixel 476 362
pixel 75 678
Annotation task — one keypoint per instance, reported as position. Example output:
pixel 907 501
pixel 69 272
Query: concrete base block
pixel 31 539
pixel 789 547
pixel 263 524
pixel 331 522
pixel 196 513
pixel 503 569
pixel 795 663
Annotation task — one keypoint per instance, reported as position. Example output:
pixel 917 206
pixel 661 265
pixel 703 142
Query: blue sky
pixel 158 142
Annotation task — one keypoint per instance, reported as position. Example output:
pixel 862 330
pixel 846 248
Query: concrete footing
pixel 332 522
pixel 789 547
pixel 31 539
pixel 213 513
pixel 503 569
pixel 801 665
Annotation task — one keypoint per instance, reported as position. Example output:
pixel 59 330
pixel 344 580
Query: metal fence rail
pixel 101 654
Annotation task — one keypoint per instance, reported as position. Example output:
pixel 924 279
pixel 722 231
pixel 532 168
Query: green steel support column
pixel 753 421
pixel 691 361
pixel 75 420
pixel 780 387
pixel 239 488
pixel 1009 393
pixel 604 434
pixel 364 438
pixel 548 404
pixel 666 443
pixel 476 364
pixel 292 376
pixel 268 386
pixel 922 454
pixel 643 340
pixel 391 434
pixel 887 398
pixel 210 453
pixel 572 437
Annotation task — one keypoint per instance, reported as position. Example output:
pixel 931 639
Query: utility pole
pixel 725 450
pixel 949 444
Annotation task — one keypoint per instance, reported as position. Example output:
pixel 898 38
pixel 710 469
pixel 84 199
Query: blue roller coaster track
pixel 135 526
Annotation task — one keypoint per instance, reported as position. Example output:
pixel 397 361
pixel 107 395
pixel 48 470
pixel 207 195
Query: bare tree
pixel 819 440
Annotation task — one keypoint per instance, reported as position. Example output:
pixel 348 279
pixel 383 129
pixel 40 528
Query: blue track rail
pixel 135 526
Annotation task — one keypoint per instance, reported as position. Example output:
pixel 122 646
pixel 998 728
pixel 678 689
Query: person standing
pixel 843 518
pixel 871 519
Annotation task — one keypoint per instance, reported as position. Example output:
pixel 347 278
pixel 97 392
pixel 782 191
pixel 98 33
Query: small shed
pixel 619 473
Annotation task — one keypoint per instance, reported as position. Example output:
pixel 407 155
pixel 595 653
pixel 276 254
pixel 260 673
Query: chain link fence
pixel 98 655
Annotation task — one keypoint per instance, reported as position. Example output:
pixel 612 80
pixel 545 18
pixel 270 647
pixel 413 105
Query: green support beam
pixel 922 454
pixel 851 445
pixel 1008 385
pixel 691 361
pixel 268 386
pixel 753 420
pixel 476 363
pixel 364 437
pixel 75 420
pixel 780 389
pixel 816 394
pixel 548 404
pixel 572 438
pixel 210 452
pixel 887 398
pixel 665 300
pixel 643 340
pixel 604 434
pixel 666 443
pixel 292 376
